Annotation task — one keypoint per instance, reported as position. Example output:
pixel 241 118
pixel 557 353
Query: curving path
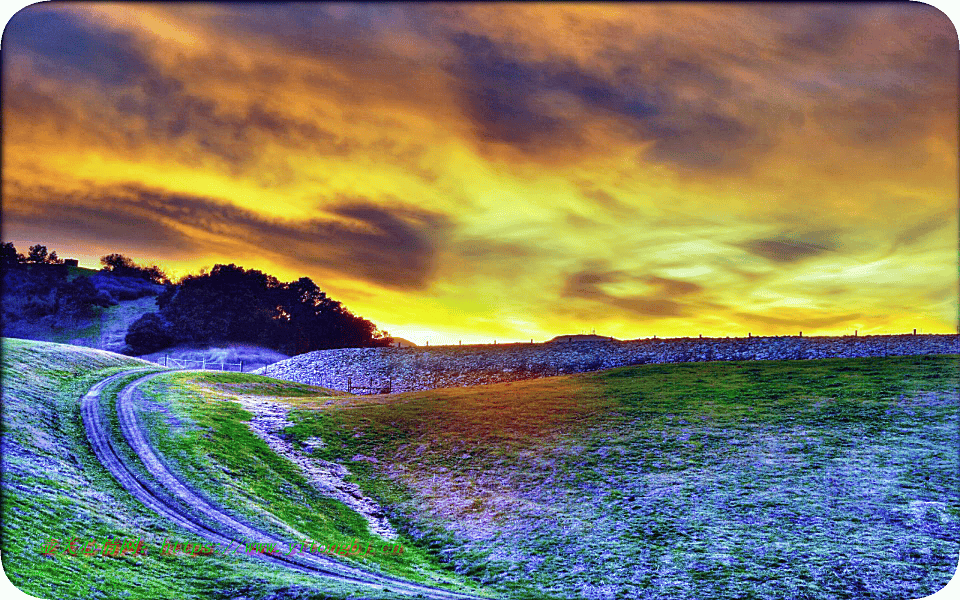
pixel 167 495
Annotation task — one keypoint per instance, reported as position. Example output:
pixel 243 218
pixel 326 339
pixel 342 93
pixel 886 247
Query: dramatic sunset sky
pixel 479 172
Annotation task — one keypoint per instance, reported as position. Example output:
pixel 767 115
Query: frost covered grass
pixel 195 423
pixel 833 478
pixel 54 488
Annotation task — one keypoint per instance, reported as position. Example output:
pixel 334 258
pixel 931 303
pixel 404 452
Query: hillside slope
pixel 818 479
pixel 62 510
pixel 30 310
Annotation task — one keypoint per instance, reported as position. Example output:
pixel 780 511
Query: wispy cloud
pixel 634 163
pixel 784 250
pixel 391 245
pixel 587 284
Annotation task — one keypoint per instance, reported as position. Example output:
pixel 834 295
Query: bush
pixel 120 265
pixel 105 299
pixel 77 297
pixel 148 334
pixel 124 287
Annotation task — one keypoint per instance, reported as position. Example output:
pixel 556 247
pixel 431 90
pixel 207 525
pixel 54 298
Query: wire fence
pixel 202 364
pixel 372 387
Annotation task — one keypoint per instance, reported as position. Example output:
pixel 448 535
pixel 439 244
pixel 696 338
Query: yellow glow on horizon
pixel 531 172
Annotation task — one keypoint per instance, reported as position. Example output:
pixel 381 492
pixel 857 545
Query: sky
pixel 480 172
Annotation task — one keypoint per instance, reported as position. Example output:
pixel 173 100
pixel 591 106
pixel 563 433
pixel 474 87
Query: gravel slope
pixel 432 367
pixel 268 422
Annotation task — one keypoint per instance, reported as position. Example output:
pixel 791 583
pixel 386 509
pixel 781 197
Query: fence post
pixel 203 364
pixel 241 366
pixel 349 385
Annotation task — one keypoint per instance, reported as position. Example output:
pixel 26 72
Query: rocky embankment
pixel 425 368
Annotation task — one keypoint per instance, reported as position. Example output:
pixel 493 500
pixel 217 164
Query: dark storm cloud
pixel 913 234
pixel 69 47
pixel 391 246
pixel 693 72
pixel 498 94
pixel 705 140
pixel 902 94
pixel 91 217
pixel 504 98
pixel 310 30
pixel 595 92
pixel 22 100
pixel 394 246
pixel 892 117
pixel 784 250
pixel 236 136
pixel 823 31
pixel 585 284
pixel 673 287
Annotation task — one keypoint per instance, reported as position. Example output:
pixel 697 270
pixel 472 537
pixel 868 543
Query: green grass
pixel 809 479
pixel 204 437
pixel 258 385
pixel 804 479
pixel 54 488
pixel 73 272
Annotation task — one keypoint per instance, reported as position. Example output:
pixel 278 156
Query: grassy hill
pixel 29 308
pixel 194 422
pixel 126 299
pixel 54 489
pixel 804 479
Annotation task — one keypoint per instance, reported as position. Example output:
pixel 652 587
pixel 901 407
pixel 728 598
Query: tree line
pixel 36 287
pixel 36 255
pixel 233 304
pixel 228 303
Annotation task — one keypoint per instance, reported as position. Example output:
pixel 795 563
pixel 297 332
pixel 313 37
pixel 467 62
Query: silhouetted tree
pixel 231 303
pixel 78 297
pixel 121 265
pixel 117 262
pixel 9 256
pixel 37 254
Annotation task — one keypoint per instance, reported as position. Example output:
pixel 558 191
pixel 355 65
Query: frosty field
pixel 817 479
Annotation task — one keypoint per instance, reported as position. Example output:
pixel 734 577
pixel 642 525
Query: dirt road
pixel 176 500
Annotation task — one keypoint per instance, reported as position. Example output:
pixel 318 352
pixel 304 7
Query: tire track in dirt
pixel 213 523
